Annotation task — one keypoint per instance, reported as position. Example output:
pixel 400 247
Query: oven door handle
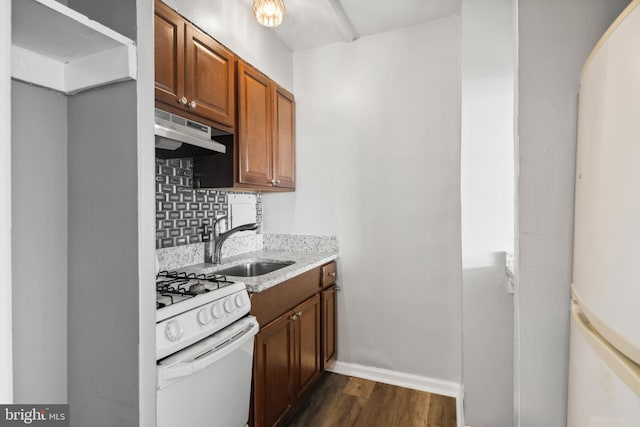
pixel 207 356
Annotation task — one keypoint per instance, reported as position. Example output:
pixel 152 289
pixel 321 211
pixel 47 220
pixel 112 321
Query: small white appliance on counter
pixel 604 366
pixel 204 350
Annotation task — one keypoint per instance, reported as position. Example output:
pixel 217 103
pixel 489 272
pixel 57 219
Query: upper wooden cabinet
pixel 284 138
pixel 195 75
pixel 255 149
pixel 266 132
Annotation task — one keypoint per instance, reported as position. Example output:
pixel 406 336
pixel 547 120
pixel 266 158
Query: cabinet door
pixel 273 368
pixel 255 145
pixel 210 77
pixel 329 325
pixel 307 345
pixel 169 54
pixel 284 138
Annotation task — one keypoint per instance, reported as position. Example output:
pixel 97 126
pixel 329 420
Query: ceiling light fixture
pixel 269 12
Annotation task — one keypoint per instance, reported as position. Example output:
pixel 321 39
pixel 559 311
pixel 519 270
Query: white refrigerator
pixel 604 368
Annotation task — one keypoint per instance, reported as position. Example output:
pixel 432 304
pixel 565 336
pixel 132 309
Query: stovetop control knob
pixel 174 330
pixel 228 305
pixel 240 300
pixel 203 316
pixel 216 310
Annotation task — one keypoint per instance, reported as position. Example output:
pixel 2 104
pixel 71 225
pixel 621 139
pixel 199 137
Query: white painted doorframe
pixel 6 347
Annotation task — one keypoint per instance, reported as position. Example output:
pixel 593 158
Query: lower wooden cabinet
pixel 307 352
pixel 287 362
pixel 329 303
pixel 273 367
pixel 296 341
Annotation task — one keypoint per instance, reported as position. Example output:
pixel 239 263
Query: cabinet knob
pixel 299 314
pixel 332 274
pixel 183 100
pixel 294 317
pixel 274 181
pixel 192 104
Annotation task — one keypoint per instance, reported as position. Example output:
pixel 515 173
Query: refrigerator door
pixel 604 386
pixel 606 276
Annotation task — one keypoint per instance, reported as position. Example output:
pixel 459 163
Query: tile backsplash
pixel 182 213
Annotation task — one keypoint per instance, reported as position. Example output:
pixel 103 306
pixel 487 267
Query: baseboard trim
pixel 403 379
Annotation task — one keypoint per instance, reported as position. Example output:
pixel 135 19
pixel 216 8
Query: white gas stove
pixel 190 307
pixel 204 350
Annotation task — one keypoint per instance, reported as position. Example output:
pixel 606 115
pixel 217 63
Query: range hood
pixel 177 137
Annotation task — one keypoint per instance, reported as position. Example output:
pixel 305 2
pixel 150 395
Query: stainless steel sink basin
pixel 254 268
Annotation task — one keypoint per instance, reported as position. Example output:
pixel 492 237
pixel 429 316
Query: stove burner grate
pixel 186 285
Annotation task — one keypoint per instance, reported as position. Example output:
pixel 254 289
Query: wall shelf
pixel 58 48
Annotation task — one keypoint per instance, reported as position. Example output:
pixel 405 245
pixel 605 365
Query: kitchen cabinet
pixel 287 362
pixel 284 138
pixel 329 303
pixel 329 306
pixel 273 368
pixel 307 351
pixel 194 74
pixel 290 350
pixel 266 132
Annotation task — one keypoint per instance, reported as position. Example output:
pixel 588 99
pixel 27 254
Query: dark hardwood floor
pixel 337 400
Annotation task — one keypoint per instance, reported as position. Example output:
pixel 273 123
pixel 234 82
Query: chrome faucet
pixel 217 239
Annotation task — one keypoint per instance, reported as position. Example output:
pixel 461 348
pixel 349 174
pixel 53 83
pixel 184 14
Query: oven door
pixel 209 382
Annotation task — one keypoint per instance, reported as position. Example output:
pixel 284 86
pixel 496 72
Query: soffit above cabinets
pixel 310 24
pixel 58 48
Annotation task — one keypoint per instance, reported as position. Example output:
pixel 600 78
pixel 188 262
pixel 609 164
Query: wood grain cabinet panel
pixel 210 77
pixel 284 138
pixel 254 123
pixel 328 274
pixel 308 354
pixel 273 368
pixel 169 54
pixel 266 124
pixel 329 302
pixel 195 75
pixel 291 349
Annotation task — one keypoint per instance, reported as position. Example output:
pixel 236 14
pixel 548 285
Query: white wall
pixel 6 362
pixel 103 257
pixel 488 74
pixel 232 23
pixel 487 175
pixel 554 42
pixel 39 244
pixel 105 261
pixel 378 164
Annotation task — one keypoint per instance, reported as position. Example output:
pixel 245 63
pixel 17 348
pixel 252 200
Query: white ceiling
pixel 313 23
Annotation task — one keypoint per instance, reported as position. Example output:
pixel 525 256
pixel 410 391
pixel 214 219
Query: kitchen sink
pixel 254 268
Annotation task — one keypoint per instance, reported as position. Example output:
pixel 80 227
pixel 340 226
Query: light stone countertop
pixel 304 261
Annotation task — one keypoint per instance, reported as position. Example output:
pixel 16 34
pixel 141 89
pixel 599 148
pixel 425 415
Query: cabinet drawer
pixel 273 302
pixel 329 274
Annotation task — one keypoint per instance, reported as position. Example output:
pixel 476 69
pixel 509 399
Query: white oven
pixel 204 347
